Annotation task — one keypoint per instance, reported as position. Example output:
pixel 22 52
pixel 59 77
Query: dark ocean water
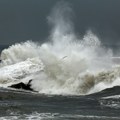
pixel 33 106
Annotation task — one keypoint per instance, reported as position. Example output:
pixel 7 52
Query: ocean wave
pixel 77 70
pixel 66 64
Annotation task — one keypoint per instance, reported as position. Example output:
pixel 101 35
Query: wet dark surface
pixel 22 102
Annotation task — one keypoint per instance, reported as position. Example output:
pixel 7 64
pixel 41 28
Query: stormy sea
pixel 70 77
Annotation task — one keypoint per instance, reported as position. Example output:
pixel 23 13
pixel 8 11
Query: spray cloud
pixel 71 65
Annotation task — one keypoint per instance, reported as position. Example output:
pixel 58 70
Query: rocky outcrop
pixel 23 86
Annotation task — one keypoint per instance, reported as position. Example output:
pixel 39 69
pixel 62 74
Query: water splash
pixel 71 65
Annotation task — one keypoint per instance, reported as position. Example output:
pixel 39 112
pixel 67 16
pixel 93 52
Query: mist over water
pixel 67 64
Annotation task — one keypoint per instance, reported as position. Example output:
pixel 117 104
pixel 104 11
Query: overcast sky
pixel 22 20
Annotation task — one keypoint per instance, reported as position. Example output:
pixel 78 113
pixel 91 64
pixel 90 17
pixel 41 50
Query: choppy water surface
pixel 26 105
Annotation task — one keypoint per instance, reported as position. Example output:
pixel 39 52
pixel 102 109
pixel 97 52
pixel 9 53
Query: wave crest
pixel 71 65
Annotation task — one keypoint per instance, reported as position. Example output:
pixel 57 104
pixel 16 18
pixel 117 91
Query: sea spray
pixel 71 65
pixel 72 70
pixel 20 72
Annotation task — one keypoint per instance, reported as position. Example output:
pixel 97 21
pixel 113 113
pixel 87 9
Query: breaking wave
pixel 66 64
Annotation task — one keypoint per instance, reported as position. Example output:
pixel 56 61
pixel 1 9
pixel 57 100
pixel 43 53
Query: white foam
pixel 71 65
pixel 113 96
pixel 54 116
pixel 19 71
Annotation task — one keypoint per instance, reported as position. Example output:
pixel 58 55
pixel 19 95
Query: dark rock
pixel 23 86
